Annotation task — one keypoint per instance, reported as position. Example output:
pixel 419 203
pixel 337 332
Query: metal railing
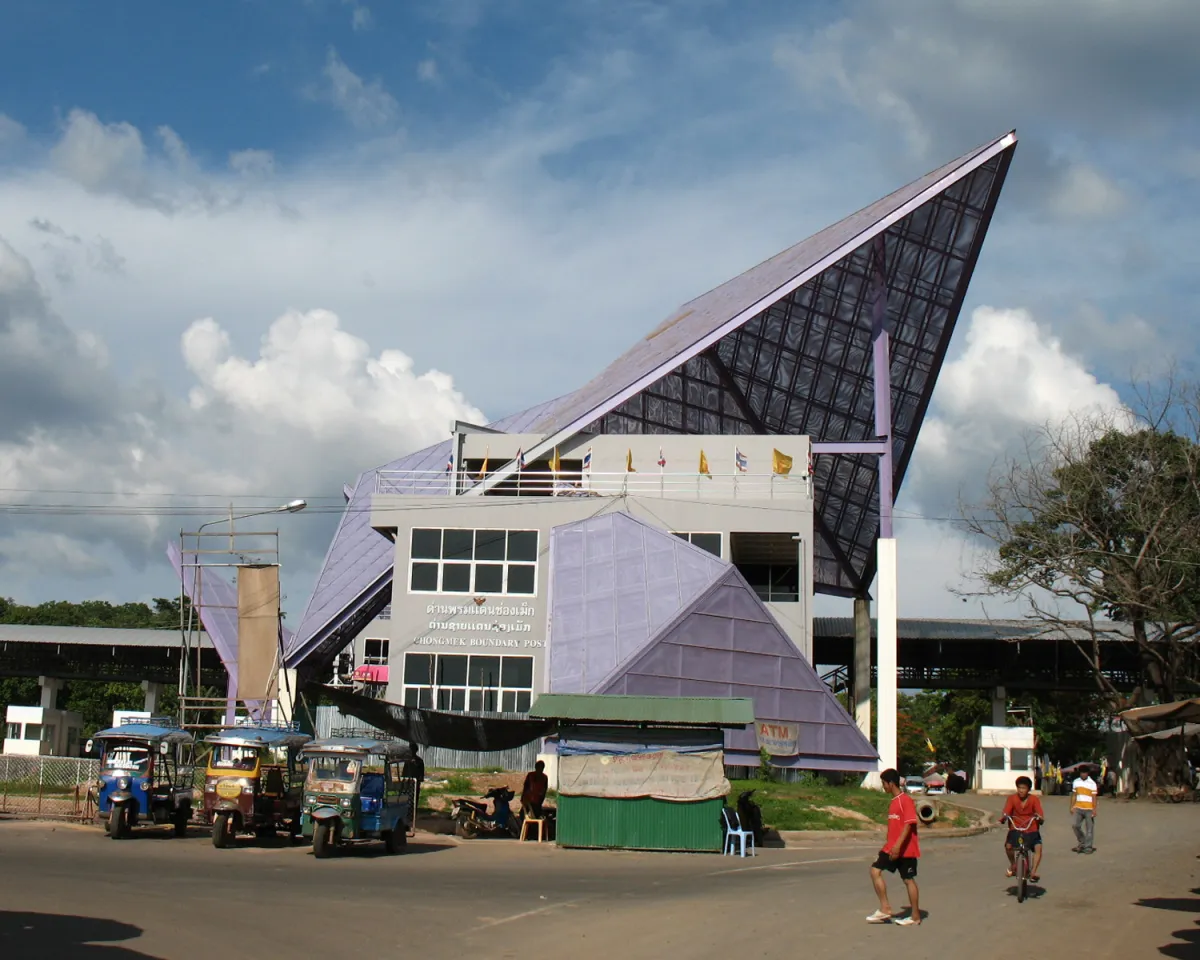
pixel 542 483
pixel 58 788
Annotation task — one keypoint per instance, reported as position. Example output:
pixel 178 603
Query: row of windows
pixel 484 562
pixel 455 681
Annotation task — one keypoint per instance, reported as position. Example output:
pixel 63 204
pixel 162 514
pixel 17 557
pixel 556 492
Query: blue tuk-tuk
pixel 356 790
pixel 141 778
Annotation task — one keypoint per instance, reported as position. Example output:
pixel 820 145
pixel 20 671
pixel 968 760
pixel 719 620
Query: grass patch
pixel 799 806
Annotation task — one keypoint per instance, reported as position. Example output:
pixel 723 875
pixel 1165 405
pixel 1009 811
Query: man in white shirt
pixel 1084 800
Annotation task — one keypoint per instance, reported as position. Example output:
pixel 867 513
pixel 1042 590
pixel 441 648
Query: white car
pixel 914 785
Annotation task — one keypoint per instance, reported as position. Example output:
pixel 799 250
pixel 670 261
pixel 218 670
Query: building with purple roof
pixel 663 528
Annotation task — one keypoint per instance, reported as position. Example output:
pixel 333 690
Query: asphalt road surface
pixel 67 891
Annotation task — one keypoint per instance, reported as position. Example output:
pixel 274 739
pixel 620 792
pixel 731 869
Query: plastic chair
pixel 734 833
pixel 541 827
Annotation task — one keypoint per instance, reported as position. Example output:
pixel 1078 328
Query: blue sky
pixel 253 248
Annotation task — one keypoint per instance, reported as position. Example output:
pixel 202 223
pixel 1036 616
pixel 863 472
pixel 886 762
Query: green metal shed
pixel 642 773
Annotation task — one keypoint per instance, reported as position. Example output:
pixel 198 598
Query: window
pixel 458 681
pixel 13 731
pixel 48 732
pixel 33 731
pixel 993 758
pixel 1019 758
pixel 770 564
pixel 487 562
pixel 375 652
pixel 705 541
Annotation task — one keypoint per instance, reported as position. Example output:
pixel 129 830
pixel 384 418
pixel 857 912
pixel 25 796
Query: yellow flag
pixel 629 461
pixel 781 462
pixel 555 462
pixel 704 466
pixel 483 470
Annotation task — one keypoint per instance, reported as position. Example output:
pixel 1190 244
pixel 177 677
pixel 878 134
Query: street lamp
pixel 292 506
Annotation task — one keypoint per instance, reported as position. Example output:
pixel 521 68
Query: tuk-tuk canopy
pixel 255 737
pixel 389 749
pixel 152 729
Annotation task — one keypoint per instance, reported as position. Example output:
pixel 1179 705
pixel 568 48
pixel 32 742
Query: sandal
pixel 1010 872
pixel 879 917
pixel 1035 878
pixel 908 922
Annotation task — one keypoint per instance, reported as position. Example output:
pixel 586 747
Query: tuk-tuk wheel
pixel 323 840
pixel 222 831
pixel 396 841
pixel 118 821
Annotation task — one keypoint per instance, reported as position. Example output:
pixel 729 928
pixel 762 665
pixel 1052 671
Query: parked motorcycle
pixel 472 817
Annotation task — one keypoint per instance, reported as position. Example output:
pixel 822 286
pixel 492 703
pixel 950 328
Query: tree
pixel 1099 520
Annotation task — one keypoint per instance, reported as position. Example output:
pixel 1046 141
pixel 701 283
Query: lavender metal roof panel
pixel 725 643
pixel 356 577
pixel 786 348
pixel 614 581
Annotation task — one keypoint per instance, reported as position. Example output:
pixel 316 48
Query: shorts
pixel 905 866
pixel 1032 839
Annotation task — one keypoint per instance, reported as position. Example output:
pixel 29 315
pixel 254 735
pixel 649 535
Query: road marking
pixel 528 913
pixel 786 866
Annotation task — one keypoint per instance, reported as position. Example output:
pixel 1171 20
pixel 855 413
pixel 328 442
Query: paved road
pixel 68 891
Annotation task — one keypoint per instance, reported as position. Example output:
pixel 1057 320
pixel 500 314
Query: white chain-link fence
pixel 48 787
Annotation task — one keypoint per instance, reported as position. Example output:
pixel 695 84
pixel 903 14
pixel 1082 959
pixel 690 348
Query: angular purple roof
pixel 726 643
pixel 614 581
pixel 785 348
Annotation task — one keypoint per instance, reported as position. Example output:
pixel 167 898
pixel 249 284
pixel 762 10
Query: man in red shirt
pixel 899 854
pixel 1024 813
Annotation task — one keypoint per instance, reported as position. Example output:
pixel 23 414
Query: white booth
pixel 40 731
pixel 1004 753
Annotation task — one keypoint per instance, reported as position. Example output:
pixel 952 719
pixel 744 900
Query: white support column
pixel 287 696
pixel 886 654
pixel 862 665
pixel 153 691
pixel 50 687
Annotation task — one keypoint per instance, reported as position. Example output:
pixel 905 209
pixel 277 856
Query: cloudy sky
pixel 250 248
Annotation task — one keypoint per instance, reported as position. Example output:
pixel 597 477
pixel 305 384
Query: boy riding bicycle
pixel 1024 815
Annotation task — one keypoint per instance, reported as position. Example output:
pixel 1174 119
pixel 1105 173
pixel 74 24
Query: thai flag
pixel 520 459
pixel 450 464
pixel 662 461
pixel 739 460
pixel 587 459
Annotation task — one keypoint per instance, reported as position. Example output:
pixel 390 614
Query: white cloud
pixel 367 105
pixel 361 18
pixel 100 157
pixel 427 71
pixel 1086 193
pixel 1011 376
pixel 11 132
pixel 252 163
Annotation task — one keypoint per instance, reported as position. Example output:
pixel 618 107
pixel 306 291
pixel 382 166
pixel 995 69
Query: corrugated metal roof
pixel 680 711
pixel 93 636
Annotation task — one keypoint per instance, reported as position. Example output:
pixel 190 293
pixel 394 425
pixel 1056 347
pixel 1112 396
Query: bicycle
pixel 1022 856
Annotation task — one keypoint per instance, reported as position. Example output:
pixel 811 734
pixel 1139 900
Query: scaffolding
pixel 207 602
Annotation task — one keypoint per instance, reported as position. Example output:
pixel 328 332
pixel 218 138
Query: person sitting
pixel 1024 814
pixel 533 792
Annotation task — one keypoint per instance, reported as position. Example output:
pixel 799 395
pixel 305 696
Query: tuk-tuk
pixel 355 790
pixel 253 781
pixel 141 777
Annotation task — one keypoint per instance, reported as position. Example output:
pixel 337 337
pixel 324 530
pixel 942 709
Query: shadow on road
pixel 372 850
pixel 1189 946
pixel 29 935
pixel 1033 891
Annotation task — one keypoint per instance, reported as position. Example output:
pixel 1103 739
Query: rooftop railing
pixel 530 483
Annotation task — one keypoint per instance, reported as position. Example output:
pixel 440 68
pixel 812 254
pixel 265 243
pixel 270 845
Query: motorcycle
pixel 472 818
